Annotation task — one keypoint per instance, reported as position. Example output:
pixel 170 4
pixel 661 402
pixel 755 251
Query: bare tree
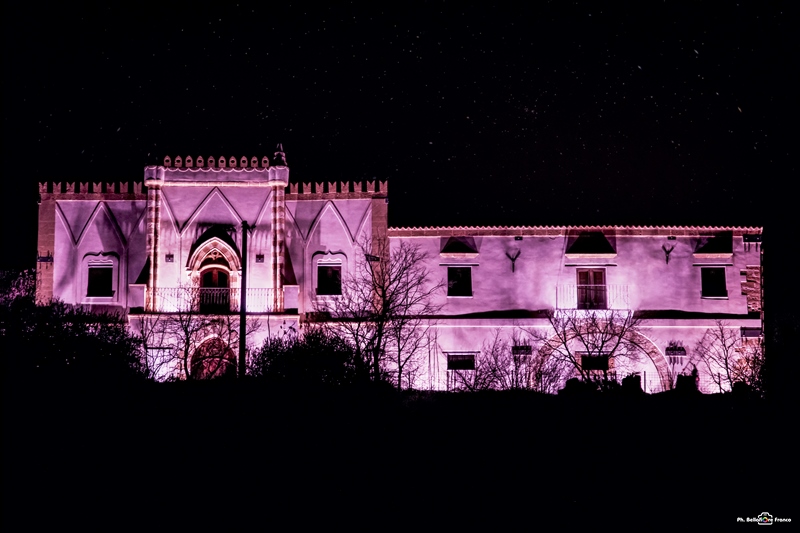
pixel 386 308
pixel 595 344
pixel 186 341
pixel 727 359
pixel 514 363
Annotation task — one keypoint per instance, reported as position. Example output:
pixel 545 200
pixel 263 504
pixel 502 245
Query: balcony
pixel 592 297
pixel 212 300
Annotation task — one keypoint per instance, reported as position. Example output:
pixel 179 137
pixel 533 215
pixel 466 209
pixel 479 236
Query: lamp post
pixel 243 305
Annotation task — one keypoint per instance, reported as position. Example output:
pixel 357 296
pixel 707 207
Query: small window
pixel 459 281
pixel 100 281
pixel 594 362
pixel 713 282
pixel 329 280
pixel 461 361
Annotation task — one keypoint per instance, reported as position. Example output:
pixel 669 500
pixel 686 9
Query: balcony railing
pixel 212 300
pixel 592 297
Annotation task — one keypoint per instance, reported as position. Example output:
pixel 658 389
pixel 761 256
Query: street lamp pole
pixel 243 305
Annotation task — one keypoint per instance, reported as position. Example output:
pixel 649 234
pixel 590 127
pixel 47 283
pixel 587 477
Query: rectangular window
pixel 460 361
pixel 329 280
pixel 592 288
pixel 713 282
pixel 594 362
pixel 100 281
pixel 459 281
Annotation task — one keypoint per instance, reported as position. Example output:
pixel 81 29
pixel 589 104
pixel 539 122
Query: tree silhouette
pixel 728 359
pixel 516 362
pixel 62 341
pixel 186 341
pixel 595 344
pixel 386 308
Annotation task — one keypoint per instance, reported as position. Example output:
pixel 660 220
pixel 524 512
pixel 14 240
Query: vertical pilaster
pixel 380 222
pixel 153 228
pixel 279 180
pixel 278 246
pixel 46 245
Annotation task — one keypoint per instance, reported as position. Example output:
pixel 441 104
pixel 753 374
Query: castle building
pixel 180 244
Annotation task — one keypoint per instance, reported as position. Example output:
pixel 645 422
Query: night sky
pixel 661 113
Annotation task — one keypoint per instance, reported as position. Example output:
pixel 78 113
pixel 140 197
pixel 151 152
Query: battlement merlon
pixel 277 176
pixel 77 190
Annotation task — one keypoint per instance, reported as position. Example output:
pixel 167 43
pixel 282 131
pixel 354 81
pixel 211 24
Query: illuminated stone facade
pixel 175 240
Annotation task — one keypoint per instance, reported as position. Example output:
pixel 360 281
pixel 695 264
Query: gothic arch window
pixel 214 250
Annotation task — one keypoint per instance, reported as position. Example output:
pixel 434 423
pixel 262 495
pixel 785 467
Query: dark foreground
pixel 238 456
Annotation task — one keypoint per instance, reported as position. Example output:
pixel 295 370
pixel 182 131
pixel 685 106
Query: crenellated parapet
pixel 338 190
pixel 222 162
pixel 218 171
pixel 76 190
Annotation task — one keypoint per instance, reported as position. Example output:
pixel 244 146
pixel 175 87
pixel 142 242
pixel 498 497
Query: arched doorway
pixel 213 359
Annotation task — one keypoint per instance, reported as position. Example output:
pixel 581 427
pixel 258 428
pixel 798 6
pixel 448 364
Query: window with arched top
pixel 100 277
pixel 328 271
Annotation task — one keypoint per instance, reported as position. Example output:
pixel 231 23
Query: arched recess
pixel 213 359
pixel 645 346
pixel 214 250
pixel 657 358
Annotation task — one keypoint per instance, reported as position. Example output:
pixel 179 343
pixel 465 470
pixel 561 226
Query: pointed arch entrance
pixel 214 266
pixel 213 359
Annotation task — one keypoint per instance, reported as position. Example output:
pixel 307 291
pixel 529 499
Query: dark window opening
pixel 713 283
pixel 459 281
pixel 595 362
pixel 461 361
pixel 100 281
pixel 592 288
pixel 329 280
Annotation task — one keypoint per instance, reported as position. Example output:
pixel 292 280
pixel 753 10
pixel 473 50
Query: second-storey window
pixel 592 288
pixel 713 282
pixel 459 281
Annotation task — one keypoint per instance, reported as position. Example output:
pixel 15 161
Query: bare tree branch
pixel 386 308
